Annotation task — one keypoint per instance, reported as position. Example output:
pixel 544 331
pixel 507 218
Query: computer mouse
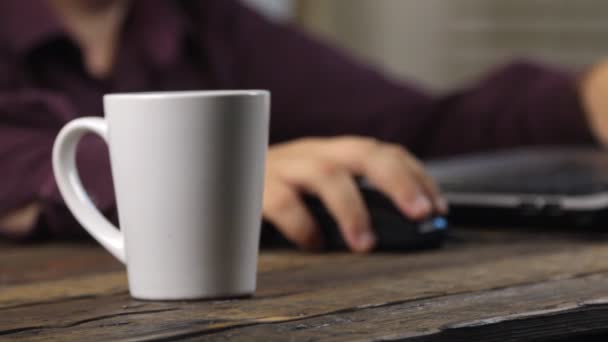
pixel 394 231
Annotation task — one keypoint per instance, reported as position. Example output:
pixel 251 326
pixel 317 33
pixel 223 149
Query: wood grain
pixel 553 309
pixel 296 287
pixel 29 263
pixel 283 271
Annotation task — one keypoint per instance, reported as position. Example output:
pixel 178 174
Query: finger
pixel 385 166
pixel 344 201
pixel 429 186
pixel 285 210
pixel 337 190
pixel 390 171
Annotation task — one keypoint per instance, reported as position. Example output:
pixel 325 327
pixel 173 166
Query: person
pixel 333 117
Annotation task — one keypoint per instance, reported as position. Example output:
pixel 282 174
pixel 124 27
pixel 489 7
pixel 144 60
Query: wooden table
pixel 489 285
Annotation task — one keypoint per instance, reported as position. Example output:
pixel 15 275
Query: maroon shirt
pixel 219 44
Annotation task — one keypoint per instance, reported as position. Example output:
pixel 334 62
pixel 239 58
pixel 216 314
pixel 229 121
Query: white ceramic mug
pixel 188 170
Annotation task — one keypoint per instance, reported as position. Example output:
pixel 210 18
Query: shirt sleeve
pixel 319 91
pixel 29 121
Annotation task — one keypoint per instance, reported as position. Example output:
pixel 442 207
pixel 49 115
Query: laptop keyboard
pixel 565 178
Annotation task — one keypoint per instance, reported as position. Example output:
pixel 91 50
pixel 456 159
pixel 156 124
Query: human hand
pixel 325 168
pixel 593 89
pixel 20 221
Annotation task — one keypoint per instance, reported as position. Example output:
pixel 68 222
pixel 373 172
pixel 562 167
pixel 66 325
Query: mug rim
pixel 173 94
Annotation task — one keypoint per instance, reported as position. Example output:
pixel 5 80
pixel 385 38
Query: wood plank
pixel 342 282
pixel 29 263
pixel 287 272
pixel 549 310
pixel 558 308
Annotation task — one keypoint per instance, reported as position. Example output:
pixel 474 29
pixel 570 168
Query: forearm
pixel 321 92
pixel 30 202
pixel 521 104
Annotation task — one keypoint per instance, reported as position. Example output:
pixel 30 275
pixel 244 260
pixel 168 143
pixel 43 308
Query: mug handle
pixel 70 186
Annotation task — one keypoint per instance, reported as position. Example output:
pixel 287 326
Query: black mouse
pixel 393 230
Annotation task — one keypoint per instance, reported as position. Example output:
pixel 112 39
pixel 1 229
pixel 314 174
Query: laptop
pixel 546 186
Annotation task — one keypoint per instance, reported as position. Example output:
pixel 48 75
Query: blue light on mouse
pixel 439 223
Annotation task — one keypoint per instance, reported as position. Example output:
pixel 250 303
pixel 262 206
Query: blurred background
pixel 443 44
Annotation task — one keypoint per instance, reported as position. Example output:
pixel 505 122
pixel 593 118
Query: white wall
pixel 443 43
